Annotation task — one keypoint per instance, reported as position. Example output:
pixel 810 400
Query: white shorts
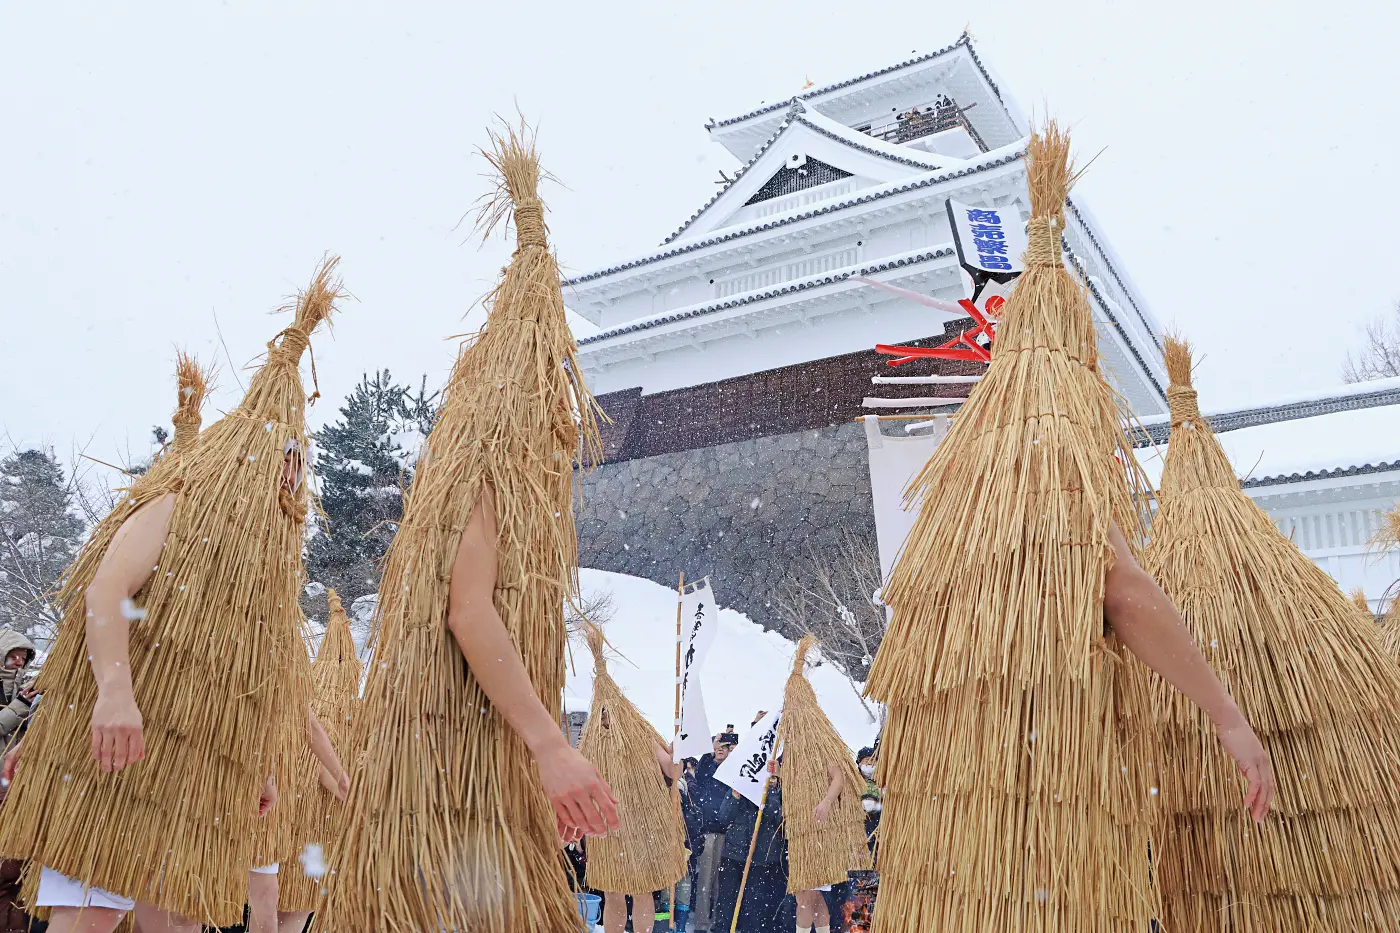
pixel 265 870
pixel 58 890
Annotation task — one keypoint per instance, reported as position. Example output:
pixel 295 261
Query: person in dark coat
pixel 706 819
pixel 17 702
pixel 765 902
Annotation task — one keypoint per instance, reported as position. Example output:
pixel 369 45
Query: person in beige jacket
pixel 16 654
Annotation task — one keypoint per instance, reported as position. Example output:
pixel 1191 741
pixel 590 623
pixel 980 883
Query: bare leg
pixel 806 910
pixel 821 916
pixel 84 920
pixel 262 903
pixel 614 912
pixel 154 920
pixel 293 921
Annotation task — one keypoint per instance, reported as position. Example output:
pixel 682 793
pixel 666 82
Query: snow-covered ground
pixel 745 672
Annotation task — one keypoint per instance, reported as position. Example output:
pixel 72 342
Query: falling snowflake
pixel 313 860
pixel 132 612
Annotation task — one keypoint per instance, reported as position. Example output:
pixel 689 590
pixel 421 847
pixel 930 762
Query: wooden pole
pixel 675 765
pixel 753 843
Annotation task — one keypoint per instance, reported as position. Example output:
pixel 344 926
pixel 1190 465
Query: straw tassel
pixel 647 851
pixel 817 855
pixel 1016 755
pixel 456 831
pixel 218 668
pixel 1308 671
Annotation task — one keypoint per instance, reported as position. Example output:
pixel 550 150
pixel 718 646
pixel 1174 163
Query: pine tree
pixel 39 536
pixel 364 462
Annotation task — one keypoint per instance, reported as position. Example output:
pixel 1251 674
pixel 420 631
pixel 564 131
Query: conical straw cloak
pixel 453 830
pixel 1016 758
pixel 315 815
pixel 811 746
pixel 1308 671
pixel 218 668
pixel 647 850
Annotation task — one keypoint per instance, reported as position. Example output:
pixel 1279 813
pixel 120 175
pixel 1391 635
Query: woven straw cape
pixel 218 668
pixel 647 850
pixel 315 816
pixel 817 855
pixel 452 829
pixel 1308 671
pixel 1016 757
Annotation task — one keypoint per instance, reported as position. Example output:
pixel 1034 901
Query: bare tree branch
pixel 1378 357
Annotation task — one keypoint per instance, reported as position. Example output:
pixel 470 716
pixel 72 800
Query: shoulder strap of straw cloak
pixel 1013 799
pixel 218 665
pixel 1309 673
pixel 456 823
pixel 647 850
pixel 817 855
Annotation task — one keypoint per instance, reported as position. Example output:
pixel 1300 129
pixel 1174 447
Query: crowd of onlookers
pixel 721 827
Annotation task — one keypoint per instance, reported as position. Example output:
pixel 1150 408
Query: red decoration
pixel 962 347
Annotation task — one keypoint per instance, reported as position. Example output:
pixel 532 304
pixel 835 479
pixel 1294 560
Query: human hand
pixel 268 798
pixel 1244 746
pixel 568 835
pixel 580 797
pixel 27 694
pixel 7 770
pixel 822 813
pixel 117 739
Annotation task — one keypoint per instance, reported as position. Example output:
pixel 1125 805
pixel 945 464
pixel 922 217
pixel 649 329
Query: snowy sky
pixel 167 161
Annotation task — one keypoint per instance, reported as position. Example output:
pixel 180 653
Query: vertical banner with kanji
pixel 989 240
pixel 699 624
pixel 746 768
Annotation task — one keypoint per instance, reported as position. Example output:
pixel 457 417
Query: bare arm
pixel 833 793
pixel 580 797
pixel 320 745
pixel 131 559
pixel 663 758
pixel 1149 625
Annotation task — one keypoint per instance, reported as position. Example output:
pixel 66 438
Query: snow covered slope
pixel 745 672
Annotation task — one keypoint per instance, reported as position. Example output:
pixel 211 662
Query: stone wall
pixel 744 513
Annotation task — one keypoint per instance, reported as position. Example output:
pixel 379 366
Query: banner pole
pixel 676 736
pixel 753 843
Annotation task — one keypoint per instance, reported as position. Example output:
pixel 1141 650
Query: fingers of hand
pixel 606 804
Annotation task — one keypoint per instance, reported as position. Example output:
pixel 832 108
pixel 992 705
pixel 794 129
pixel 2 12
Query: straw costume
pixel 176 830
pixel 647 850
pixel 1308 670
pixel 817 855
pixel 315 815
pixel 1014 789
pixel 452 828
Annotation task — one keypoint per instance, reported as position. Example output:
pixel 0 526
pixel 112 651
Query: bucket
pixel 590 907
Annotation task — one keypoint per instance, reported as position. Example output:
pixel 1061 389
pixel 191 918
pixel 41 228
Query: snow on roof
pixel 964 40
pixel 1338 443
pixel 898 260
pixel 746 670
pixel 985 162
pixel 798 114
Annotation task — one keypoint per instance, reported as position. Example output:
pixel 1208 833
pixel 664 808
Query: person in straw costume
pixel 282 902
pixel 469 784
pixel 647 851
pixel 825 823
pixel 112 799
pixel 1309 670
pixel 1016 756
pixel 193 383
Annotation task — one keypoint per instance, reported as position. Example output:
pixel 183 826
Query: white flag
pixel 746 768
pixel 699 623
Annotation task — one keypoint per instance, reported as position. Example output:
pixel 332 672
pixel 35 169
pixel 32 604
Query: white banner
pixel 746 768
pixel 989 239
pixel 894 462
pixel 699 624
